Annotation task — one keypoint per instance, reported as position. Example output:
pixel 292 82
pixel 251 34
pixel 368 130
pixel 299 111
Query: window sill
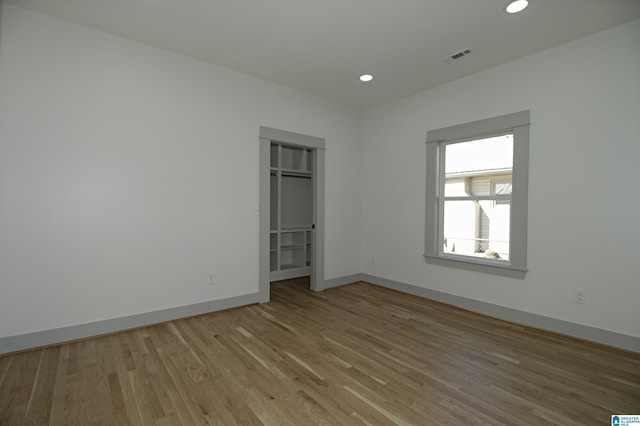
pixel 471 264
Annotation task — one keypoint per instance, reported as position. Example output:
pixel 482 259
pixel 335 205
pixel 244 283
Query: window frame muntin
pixel 517 124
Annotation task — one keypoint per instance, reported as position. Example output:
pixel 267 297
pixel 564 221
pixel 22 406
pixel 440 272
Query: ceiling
pixel 322 46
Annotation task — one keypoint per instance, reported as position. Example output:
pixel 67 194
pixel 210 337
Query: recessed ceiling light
pixel 366 77
pixel 517 6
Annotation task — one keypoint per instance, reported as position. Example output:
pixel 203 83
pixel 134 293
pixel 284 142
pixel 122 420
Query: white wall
pixel 584 98
pixel 127 173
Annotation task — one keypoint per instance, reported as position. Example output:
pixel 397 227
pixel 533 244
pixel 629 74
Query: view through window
pixel 477 201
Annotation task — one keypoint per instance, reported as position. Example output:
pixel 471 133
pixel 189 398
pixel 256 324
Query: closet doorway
pixel 291 241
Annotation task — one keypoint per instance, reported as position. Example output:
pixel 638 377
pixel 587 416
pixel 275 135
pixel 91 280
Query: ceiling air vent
pixel 457 55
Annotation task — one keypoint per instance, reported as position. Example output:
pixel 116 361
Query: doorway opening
pixel 291 209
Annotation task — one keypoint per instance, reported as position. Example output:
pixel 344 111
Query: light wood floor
pixel 353 355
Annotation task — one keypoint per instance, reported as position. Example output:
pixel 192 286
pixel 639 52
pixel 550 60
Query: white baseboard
pixel 593 334
pixel 80 331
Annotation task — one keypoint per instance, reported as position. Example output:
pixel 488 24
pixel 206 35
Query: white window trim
pixel 517 124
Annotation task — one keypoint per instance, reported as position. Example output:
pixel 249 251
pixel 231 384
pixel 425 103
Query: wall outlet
pixel 212 278
pixel 579 295
pixel 373 260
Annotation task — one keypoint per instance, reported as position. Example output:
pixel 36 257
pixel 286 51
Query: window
pixel 477 180
pixel 501 187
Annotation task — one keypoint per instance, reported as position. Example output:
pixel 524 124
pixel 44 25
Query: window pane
pixel 482 184
pixel 477 228
pixel 494 153
pixel 502 188
pixel 479 167
pixel 457 187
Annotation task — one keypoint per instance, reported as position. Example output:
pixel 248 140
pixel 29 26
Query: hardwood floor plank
pixel 124 363
pixel 40 401
pixel 5 365
pixel 17 387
